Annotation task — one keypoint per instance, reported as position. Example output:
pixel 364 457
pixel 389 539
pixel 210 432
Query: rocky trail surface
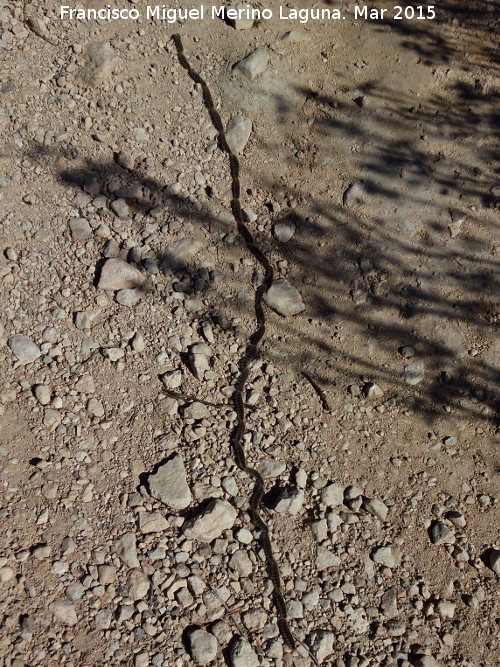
pixel 370 179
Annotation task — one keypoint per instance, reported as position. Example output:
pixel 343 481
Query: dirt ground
pixel 371 181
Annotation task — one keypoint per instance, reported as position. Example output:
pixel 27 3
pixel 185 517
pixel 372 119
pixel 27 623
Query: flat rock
pixel 128 297
pixel 196 410
pixel 289 501
pixel 376 507
pixel 254 64
pixel 243 655
pixel 270 468
pixel 238 132
pixel 80 229
pixel 169 485
pixel 414 373
pixel 283 298
pixel 325 559
pixel 118 275
pixel 321 644
pixel 24 349
pixel 332 495
pixel 64 611
pixel 388 556
pixel 213 520
pixel 152 522
pixel 202 646
pixel 126 549
pixel 441 534
pixel 179 254
pixel 101 62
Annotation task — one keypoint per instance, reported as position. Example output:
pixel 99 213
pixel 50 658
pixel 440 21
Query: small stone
pixel 203 646
pixel 425 661
pixel 254 64
pixel 446 609
pixel 126 549
pixel 75 591
pixel 283 298
pixel 359 297
pixel 389 556
pixel 138 585
pixel 42 394
pixel 241 563
pixel 241 22
pixel 95 408
pixel 24 349
pixel 325 559
pixel 414 373
pixel 101 63
pixel 138 344
pixel 169 485
pixel 284 231
pixel 332 495
pixel 120 208
pixel 372 390
pixel 128 297
pixel 152 522
pixel 117 275
pixel 244 536
pixel 376 507
pixel 441 534
pixel 213 520
pixel 494 561
pixel 388 603
pixel 80 229
pixel 179 254
pixel 85 384
pixel 407 352
pixel 41 553
pixel 321 644
pixel 199 354
pixel 290 500
pixel 6 574
pixel 113 353
pixel 238 132
pixel 456 518
pixel 270 468
pixel 320 530
pixel 83 320
pixel 103 619
pixel 243 655
pixel 106 574
pixel 64 611
pixel 334 521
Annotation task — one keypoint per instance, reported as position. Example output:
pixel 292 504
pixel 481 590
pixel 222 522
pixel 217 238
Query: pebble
pixel 128 297
pixel 241 563
pixel 425 661
pixel 243 655
pixel 80 229
pixel 284 231
pixel 372 390
pixel 325 559
pixel 211 522
pixel 126 549
pixel 179 254
pixel 152 522
pixel 101 62
pixel 117 275
pixel 106 574
pixel 321 644
pixel 242 23
pixel 283 298
pixel 494 561
pixel 95 408
pixel 376 507
pixel 138 584
pixel 120 208
pixel 446 609
pixel 254 64
pixel 289 501
pixel 238 133
pixel 64 611
pixel 270 468
pixel 196 410
pixel 169 484
pixel 388 556
pixel 441 534
pixel 332 495
pixel 414 373
pixel 75 591
pixel 203 646
pixel 42 394
pixel 24 349
pixel 199 354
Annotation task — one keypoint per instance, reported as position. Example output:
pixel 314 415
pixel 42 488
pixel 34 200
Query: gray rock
pixel 376 507
pixel 120 208
pixel 95 408
pixel 494 561
pixel 169 484
pixel 203 646
pixel 446 609
pixel 128 297
pixel 372 390
pixel 283 231
pixel 254 64
pixel 42 394
pixel 75 591
pixel 242 22
pixel 332 495
pixel 441 534
pixel 283 298
pixel 213 520
pixel 64 611
pixel 80 229
pixel 325 559
pixel 241 563
pixel 243 655
pixel 138 584
pixel 321 644
pixel 289 501
pixel 24 349
pixel 179 254
pixel 238 132
pixel 126 549
pixel 196 411
pixel 152 522
pixel 83 320
pixel 414 373
pixel 388 556
pixel 269 468
pixel 101 62
pixel 118 275
pixel 198 359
